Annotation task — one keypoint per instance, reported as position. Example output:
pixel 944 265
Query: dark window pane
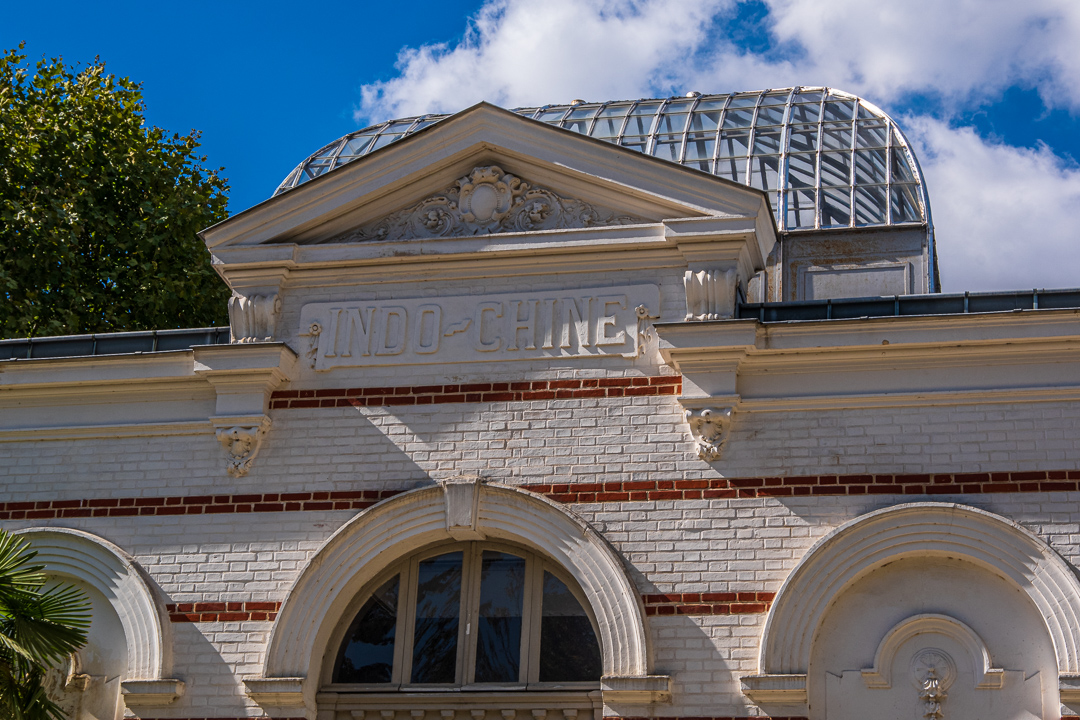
pixel 438 611
pixel 568 647
pixel 498 629
pixel 367 652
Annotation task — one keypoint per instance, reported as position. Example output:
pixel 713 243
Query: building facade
pixel 520 421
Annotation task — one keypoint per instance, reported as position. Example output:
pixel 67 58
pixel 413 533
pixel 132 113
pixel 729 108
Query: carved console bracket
pixel 242 439
pixel 276 692
pixel 711 294
pixel 252 318
pixel 151 693
pixel 462 495
pixel 635 690
pixel 710 427
pixel 770 690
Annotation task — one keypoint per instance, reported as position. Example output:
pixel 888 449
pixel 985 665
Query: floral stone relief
pixel 487 201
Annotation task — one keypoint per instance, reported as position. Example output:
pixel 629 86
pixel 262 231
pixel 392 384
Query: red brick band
pixel 726 603
pixel 222 611
pixel 794 485
pixel 194 504
pixel 725 717
pixel 479 392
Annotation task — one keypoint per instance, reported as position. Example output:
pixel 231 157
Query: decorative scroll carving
pixel 242 443
pixel 933 671
pixel 645 331
pixel 486 201
pixel 710 294
pixel 709 427
pixel 252 319
pixel 312 352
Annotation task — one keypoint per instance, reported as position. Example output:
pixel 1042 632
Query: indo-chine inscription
pixel 478 328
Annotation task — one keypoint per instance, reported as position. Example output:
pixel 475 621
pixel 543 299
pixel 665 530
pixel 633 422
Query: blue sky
pixel 988 90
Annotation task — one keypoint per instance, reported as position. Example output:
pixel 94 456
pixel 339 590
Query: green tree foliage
pixel 38 629
pixel 99 213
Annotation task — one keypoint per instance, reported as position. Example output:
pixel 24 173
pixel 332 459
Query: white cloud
pixel 1004 217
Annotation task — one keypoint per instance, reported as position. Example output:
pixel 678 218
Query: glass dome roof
pixel 828 159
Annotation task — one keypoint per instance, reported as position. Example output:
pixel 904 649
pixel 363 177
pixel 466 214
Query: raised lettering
pixel 357 325
pixel 330 336
pixel 428 326
pixel 572 313
pixel 528 324
pixel 394 325
pixel 481 327
pixel 549 327
pixel 605 321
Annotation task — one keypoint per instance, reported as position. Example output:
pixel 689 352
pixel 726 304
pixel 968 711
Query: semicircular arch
pixel 389 531
pixel 920 529
pixel 105 567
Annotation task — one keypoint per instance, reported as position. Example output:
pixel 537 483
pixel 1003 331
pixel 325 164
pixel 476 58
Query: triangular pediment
pixel 488 201
pixel 484 171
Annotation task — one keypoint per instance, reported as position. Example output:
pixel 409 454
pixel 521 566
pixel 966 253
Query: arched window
pixel 469 614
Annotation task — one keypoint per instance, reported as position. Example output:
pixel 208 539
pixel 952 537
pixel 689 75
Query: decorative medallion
pixel 487 201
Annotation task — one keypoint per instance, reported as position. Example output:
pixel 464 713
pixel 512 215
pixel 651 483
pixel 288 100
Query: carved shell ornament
pixel 487 201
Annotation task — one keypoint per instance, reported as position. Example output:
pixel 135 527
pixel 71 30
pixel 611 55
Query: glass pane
pixel 800 171
pixel 864 112
pixel 734 143
pixel 732 169
pixel 568 647
pixel 639 124
pixel 805 113
pixel 838 111
pixel 800 209
pixel 438 610
pixel 764 171
pixel 668 147
pixel 552 115
pixel 578 126
pixel 803 138
pixel 770 115
pixel 905 205
pixel 614 111
pixel 700 149
pixel 635 143
pixel 870 205
pixel 704 121
pixel 672 123
pixel 607 127
pixel 580 112
pixel 775 99
pixel 808 96
pixel 367 652
pixel 738 118
pixel 498 630
pixel 836 137
pixel 743 101
pixel 766 143
pixel 383 141
pixel 871 134
pixel 836 168
pixel 711 104
pixel 678 106
pixel 869 166
pixel 835 207
pixel 901 171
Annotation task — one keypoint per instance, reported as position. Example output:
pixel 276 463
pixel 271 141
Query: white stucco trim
pixel 926 530
pixel 108 569
pixel 392 529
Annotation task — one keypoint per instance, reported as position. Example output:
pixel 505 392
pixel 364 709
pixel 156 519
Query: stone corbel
pixel 242 439
pixel 710 427
pixel 774 689
pixel 252 317
pixel 462 496
pixel 635 690
pixel 711 294
pixel 280 697
pixel 151 693
pixel 1069 687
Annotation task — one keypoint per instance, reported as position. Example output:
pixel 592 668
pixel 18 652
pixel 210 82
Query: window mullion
pixel 406 622
pixel 530 621
pixel 470 614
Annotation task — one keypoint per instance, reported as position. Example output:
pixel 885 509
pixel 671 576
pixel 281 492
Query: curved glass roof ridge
pixel 828 159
